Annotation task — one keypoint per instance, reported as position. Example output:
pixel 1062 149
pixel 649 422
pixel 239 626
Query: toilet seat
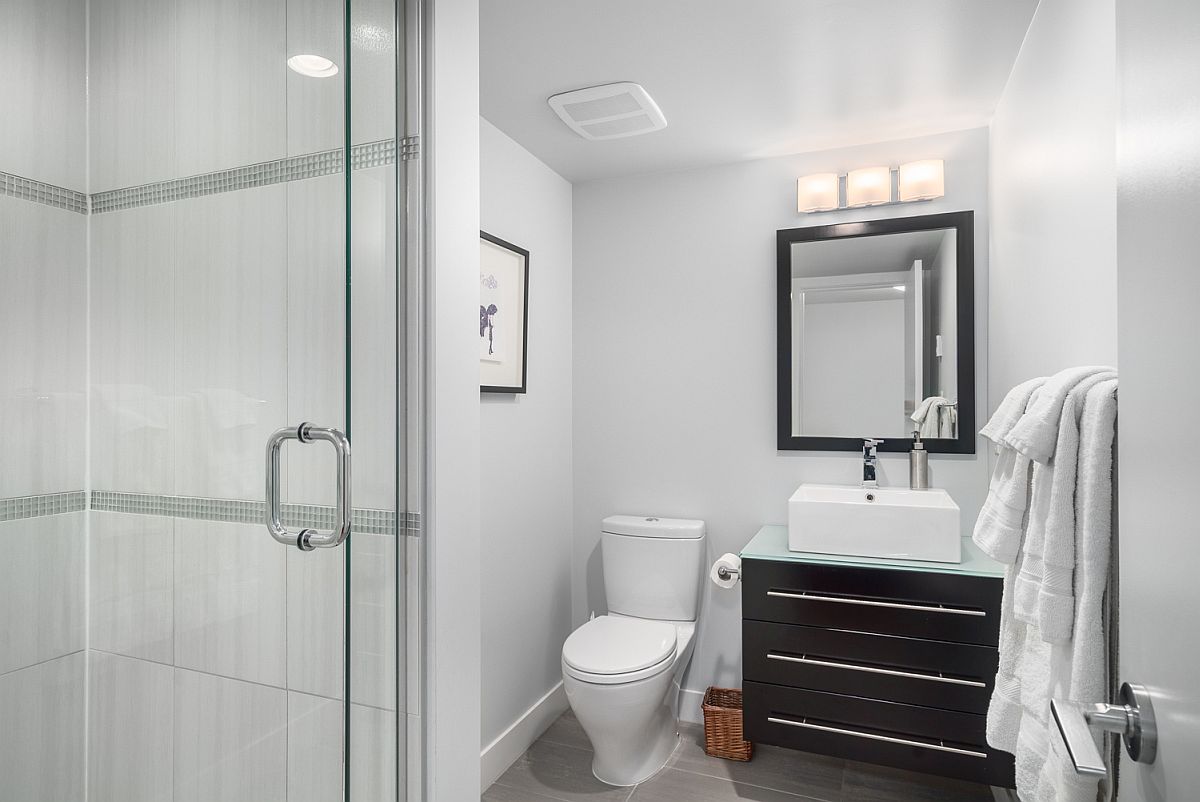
pixel 610 650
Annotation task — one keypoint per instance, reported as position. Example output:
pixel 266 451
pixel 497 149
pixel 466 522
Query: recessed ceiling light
pixel 313 66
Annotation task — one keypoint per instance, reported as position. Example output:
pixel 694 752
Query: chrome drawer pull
pixel 871 736
pixel 921 608
pixel 870 669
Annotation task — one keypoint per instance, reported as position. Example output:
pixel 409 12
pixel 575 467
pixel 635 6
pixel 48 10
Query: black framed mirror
pixel 876 334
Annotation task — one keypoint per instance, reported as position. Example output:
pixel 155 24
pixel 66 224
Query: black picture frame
pixel 524 254
pixel 964 225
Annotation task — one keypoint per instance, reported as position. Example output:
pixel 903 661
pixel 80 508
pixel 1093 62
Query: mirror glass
pixel 874 335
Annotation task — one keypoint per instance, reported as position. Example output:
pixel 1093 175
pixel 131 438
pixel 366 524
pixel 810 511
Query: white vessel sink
pixel 875 522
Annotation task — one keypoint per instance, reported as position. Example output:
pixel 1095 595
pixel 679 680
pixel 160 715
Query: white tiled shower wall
pixel 190 659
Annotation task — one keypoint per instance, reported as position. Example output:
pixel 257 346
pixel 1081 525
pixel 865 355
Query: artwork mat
pixel 505 370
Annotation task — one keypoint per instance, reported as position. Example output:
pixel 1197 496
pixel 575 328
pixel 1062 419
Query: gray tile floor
pixel 558 768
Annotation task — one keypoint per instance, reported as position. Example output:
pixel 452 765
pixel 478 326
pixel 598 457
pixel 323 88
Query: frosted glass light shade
pixel 923 180
pixel 869 186
pixel 817 193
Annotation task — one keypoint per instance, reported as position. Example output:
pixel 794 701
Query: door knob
pixel 1132 718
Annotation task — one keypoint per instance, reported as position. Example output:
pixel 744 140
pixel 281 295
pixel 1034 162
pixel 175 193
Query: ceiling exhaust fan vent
pixel 611 111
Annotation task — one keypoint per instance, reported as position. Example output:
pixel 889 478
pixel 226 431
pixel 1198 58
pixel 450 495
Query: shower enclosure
pixel 208 217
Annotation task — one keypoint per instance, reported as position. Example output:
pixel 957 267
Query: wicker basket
pixel 723 725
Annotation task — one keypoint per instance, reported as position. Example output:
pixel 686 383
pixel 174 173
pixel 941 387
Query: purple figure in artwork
pixel 485 323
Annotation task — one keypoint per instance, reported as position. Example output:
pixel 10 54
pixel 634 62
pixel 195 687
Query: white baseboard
pixel 690 706
pixel 501 753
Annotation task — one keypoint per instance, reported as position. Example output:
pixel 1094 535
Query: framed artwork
pixel 503 315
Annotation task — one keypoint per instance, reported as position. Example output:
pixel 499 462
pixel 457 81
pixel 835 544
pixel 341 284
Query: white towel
pixel 1079 666
pixel 1036 432
pixel 934 417
pixel 1010 411
pixel 1051 521
pixel 1091 485
pixel 998 529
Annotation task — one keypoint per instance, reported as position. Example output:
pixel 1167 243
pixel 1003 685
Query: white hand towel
pixel 1090 485
pixel 1010 410
pixel 999 527
pixel 1051 527
pixel 931 417
pixel 1036 432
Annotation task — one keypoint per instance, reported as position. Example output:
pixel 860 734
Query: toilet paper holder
pixel 726 573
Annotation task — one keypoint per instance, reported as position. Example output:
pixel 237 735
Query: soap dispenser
pixel 918 465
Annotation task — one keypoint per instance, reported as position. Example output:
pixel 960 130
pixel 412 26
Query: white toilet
pixel 621 671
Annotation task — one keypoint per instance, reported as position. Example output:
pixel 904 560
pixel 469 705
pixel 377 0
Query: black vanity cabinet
pixel 888 662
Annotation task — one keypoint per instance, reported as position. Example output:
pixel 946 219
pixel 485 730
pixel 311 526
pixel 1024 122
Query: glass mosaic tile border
pixel 379 522
pixel 14 509
pixel 292 168
pixel 15 186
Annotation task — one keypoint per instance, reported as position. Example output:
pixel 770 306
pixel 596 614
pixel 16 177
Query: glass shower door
pixel 198 248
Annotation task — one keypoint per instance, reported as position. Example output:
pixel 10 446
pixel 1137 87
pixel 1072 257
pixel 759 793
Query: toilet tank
pixel 653 566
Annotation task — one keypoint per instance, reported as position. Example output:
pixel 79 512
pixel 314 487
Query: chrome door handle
pixel 309 539
pixel 1133 719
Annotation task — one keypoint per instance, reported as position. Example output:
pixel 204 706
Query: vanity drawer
pixel 919 604
pixel 954 676
pixel 917 738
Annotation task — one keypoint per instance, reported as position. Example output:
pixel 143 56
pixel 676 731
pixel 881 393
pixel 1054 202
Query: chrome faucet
pixel 869 460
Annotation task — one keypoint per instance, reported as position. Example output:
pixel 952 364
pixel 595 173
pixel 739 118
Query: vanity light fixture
pixel 868 186
pixel 871 186
pixel 817 193
pixel 923 180
pixel 312 66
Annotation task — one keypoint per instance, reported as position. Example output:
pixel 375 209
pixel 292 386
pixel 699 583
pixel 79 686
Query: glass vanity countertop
pixel 771 543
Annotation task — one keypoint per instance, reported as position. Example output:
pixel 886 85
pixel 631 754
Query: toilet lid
pixel 617 645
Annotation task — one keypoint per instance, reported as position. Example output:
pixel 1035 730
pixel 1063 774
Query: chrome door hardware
pixel 309 539
pixel 1132 719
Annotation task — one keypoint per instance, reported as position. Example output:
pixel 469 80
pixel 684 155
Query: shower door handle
pixel 309 539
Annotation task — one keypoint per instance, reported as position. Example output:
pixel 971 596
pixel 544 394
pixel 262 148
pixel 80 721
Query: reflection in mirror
pixel 873 335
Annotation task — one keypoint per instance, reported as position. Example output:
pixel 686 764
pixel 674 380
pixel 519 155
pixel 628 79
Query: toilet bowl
pixel 621 671
pixel 622 678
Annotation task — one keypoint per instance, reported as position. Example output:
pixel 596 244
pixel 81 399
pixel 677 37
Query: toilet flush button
pixel 651 520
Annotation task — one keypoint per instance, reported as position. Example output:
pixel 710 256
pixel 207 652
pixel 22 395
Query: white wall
pixel 853 364
pixel 453 647
pixel 675 396
pixel 525 447
pixel 1053 292
pixel 945 277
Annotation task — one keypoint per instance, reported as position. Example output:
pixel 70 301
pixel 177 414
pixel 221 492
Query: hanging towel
pixel 1091 485
pixel 1036 433
pixel 934 418
pixel 998 529
pixel 1051 521
pixel 1079 665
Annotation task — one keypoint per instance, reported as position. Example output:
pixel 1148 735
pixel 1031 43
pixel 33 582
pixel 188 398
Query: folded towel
pixel 1036 433
pixel 1010 411
pixel 1051 521
pixel 999 527
pixel 1091 487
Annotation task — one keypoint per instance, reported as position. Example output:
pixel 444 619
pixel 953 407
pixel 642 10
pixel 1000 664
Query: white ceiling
pixel 745 80
pixel 882 253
